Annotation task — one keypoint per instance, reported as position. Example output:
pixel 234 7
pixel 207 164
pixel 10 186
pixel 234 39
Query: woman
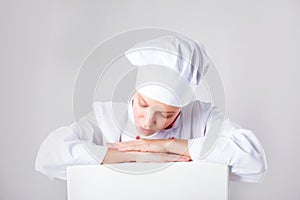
pixel 169 125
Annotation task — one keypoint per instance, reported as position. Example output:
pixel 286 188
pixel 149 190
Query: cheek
pixel 169 121
pixel 137 113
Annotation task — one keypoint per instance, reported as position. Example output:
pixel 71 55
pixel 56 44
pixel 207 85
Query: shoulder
pixel 199 106
pixel 109 107
pixel 99 106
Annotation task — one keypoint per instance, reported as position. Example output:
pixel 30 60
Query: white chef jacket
pixel 83 141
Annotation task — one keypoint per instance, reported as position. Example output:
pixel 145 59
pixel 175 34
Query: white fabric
pixel 236 147
pixel 179 55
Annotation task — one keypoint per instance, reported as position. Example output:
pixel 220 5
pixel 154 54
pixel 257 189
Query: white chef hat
pixel 169 67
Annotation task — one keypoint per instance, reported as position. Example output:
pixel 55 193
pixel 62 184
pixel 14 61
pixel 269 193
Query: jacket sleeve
pixel 237 147
pixel 77 144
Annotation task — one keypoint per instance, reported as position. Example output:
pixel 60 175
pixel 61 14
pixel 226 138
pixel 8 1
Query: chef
pixel 161 122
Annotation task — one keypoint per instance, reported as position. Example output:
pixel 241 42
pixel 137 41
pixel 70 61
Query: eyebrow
pixel 147 103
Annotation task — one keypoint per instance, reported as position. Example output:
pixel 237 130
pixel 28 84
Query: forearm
pixel 166 147
pixel 116 156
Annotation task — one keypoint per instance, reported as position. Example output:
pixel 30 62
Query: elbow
pixel 252 170
pixel 46 161
pixel 50 170
pixel 42 167
pixel 248 177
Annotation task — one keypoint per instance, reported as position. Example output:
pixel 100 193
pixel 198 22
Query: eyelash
pixel 161 114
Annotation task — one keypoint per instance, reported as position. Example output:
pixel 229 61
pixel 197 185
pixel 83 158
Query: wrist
pixel 177 146
pixel 168 146
pixel 116 156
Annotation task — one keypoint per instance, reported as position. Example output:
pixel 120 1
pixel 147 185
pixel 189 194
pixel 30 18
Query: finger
pixel 131 145
pixel 176 158
pixel 133 148
pixel 128 149
pixel 127 144
pixel 133 142
pixel 145 145
pixel 184 159
pixel 111 145
pixel 180 160
pixel 160 157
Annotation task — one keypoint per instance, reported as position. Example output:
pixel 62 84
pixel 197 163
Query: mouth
pixel 146 131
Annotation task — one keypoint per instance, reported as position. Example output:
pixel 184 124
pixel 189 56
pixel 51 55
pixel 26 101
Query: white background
pixel 255 45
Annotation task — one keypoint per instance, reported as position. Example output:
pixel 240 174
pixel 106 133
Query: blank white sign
pixel 192 180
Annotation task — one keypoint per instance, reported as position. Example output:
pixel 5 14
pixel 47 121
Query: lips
pixel 146 131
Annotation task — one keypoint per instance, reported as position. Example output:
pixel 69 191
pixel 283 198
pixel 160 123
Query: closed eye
pixel 142 105
pixel 163 115
pixel 166 116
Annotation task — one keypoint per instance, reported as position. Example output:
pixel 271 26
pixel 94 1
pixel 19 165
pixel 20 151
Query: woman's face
pixel 151 116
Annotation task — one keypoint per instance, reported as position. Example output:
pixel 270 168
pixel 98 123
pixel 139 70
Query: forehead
pixel 150 102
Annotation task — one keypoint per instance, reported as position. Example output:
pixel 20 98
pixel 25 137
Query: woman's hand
pixel 173 146
pixel 145 145
pixel 116 156
pixel 160 157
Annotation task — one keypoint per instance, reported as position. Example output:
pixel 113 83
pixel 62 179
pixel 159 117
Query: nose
pixel 150 120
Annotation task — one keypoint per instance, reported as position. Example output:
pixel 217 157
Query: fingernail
pixel 185 158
